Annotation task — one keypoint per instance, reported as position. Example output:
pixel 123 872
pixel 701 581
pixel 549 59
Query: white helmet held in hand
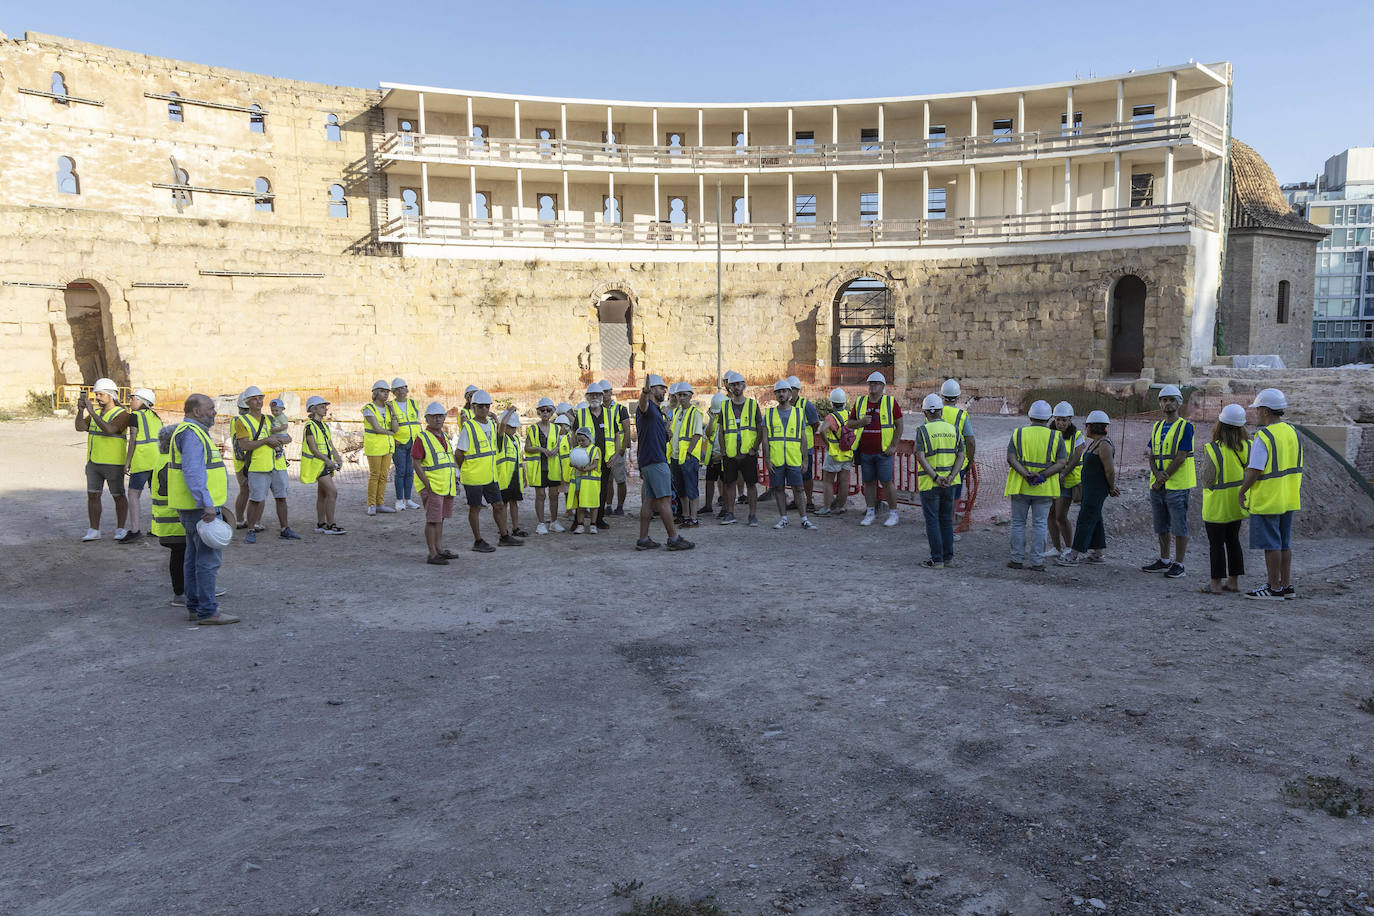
pixel 1040 410
pixel 215 533
pixel 579 458
pixel 717 401
pixel 950 389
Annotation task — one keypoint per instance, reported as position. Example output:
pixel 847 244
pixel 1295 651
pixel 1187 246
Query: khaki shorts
pixel 617 467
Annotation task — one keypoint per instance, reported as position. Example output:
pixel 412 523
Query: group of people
pixel 577 454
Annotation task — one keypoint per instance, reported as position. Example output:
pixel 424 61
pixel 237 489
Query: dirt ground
pixel 782 721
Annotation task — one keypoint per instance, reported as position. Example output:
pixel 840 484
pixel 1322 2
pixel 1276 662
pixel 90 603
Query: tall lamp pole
pixel 718 284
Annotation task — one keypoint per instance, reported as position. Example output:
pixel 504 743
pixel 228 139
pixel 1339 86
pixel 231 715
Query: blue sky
pixel 1299 97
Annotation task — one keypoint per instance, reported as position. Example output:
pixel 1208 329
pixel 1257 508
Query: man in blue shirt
pixel 202 560
pixel 657 495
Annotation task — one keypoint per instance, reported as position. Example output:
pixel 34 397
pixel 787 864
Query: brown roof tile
pixel 1256 199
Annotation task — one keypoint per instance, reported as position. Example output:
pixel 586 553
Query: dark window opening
pixel 868 139
pixel 935 203
pixel 1281 313
pixel 1142 190
pixel 868 207
pixel 864 322
pixel 805 141
pixel 1142 115
pixel 936 138
pixel 1077 124
pixel 1002 130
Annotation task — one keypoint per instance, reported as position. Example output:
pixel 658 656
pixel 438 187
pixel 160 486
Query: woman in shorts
pixel 319 463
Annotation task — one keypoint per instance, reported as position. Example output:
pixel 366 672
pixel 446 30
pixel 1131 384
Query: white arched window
pixel 338 203
pixel 67 180
pixel 257 119
pixel 263 202
pixel 332 132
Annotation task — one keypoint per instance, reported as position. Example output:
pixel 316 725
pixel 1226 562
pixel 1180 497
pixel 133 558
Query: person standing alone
pixel 1172 478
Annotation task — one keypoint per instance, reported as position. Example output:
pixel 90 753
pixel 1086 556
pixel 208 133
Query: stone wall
pixel 1256 261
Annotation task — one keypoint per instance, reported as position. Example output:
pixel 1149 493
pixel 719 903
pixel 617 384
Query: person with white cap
pixel 164 522
pixel 841 443
pixel 466 410
pixel 562 421
pixel 1070 481
pixel 939 451
pixel 258 444
pixel 320 461
pixel 616 466
pixel 544 466
pixel 510 467
pixel 406 412
pixel 584 491
pixel 476 456
pixel 436 481
pixel 1223 473
pixel 956 416
pixel 607 436
pixel 784 453
pixel 1173 475
pixel 813 423
pixel 686 452
pixel 740 425
pixel 1098 482
pixel 711 455
pixel 142 458
pixel 1272 492
pixel 657 495
pixel 880 417
pixel 379 443
pixel 198 488
pixel 105 424
pixel 240 461
pixel 1035 456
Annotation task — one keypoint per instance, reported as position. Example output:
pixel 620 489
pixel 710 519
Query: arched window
pixel 407 132
pixel 546 137
pixel 257 119
pixel 479 136
pixel 741 210
pixel 481 205
pixel 331 128
pixel 1282 312
pixel 674 143
pixel 59 83
pixel 182 196
pixel 338 203
pixel 864 322
pixel 263 202
pixel 67 180
pixel 677 210
pixel 410 203
pixel 610 210
pixel 174 109
pixel 548 208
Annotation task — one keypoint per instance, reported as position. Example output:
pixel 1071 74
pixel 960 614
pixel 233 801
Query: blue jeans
pixel 1169 511
pixel 937 505
pixel 1039 509
pixel 876 468
pixel 202 563
pixel 405 471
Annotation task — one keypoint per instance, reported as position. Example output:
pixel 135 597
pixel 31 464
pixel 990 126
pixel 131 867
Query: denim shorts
pixel 876 468
pixel 685 478
pixel 784 476
pixel 139 480
pixel 1271 532
pixel 658 480
pixel 1170 510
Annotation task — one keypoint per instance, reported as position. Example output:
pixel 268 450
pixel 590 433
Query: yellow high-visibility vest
pixel 510 464
pixel 1279 487
pixel 886 419
pixel 103 447
pixel 179 495
pixel 146 457
pixel 261 458
pixel 375 444
pixel 311 468
pixel 832 437
pixel 164 522
pixel 785 437
pixel 1074 477
pixel 537 438
pixel 479 459
pixel 684 418
pixel 610 427
pixel 958 418
pixel 940 442
pixel 1221 501
pixel 802 404
pixel 436 465
pixel 1036 447
pixel 739 434
pixel 408 423
pixel 1164 440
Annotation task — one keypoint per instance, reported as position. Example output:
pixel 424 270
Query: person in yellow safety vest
pixel 320 461
pixel 165 524
pixel 1070 483
pixel 687 449
pixel 510 468
pixel 584 496
pixel 466 411
pixel 617 465
pixel 240 465
pixel 104 424
pixel 813 423
pixel 544 466
pixel 839 460
pixel 740 425
pixel 956 416
pixel 142 457
pixel 563 423
pixel 198 488
pixel 606 430
pixel 1272 492
pixel 711 454
pixel 880 417
pixel 1223 473
pixel 784 453
pixel 379 444
pixel 939 462
pixel 257 442
pixel 407 415
pixel 1035 456
pixel 1173 475
pixel 435 479
pixel 476 455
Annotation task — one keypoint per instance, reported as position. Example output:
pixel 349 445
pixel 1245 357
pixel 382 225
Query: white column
pixel 880 196
pixel 834 197
pixel 925 120
pixel 925 193
pixel 1116 181
pixel 973 117
pixel 1173 94
pixel 470 124
pixel 1169 151
pixel 1068 107
pixel 424 166
pixel 653 127
pixel 972 193
pixel 744 128
pixel 421 103
pixel 749 215
pixel 656 207
pixel 701 132
pixel 610 180
pixel 472 193
pixel 1068 185
pixel 701 199
pixel 791 138
pixel 563 210
pixel 881 128
pixel 791 210
pixel 562 123
pixel 1020 188
pixel 609 123
pixel 517 120
pixel 1020 112
pixel 520 193
pixel 1120 101
pixel 834 124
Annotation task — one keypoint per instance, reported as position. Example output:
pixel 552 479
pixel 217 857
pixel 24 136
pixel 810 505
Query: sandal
pixel 1227 588
pixel 1207 590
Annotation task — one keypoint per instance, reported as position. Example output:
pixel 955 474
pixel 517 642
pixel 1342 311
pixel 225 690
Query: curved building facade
pixel 181 226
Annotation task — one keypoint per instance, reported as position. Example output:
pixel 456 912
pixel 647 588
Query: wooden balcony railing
pixel 891 232
pixel 1038 144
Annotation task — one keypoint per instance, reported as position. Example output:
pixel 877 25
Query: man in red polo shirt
pixel 880 417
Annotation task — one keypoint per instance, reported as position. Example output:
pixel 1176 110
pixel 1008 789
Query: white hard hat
pixel 146 396
pixel 578 457
pixel 481 397
pixel 877 377
pixel 685 388
pixel 252 391
pixel 512 418
pixel 544 402
pixel 732 377
pixel 950 389
pixel 277 402
pixel 586 431
pixel 1170 391
pixel 314 401
pixel 563 420
pixel 106 385
pixel 593 388
pixel 933 402
pixel 1098 416
pixel 1271 398
pixel 381 383
pixel 398 382
pixel 243 402
pixel 717 401
pixel 839 396
pixel 781 385
pixel 1040 410
pixel 654 381
pixel 469 390
pixel 582 405
pixel 435 409
pixel 1232 415
pixel 794 382
pixel 604 385
pixel 563 407
pixel 215 533
pixel 1063 409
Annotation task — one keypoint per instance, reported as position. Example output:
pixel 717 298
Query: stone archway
pixel 85 343
pixel 828 371
pixel 1119 344
pixel 616 350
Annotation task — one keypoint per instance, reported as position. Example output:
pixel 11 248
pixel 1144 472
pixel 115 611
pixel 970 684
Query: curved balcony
pixel 901 233
pixel 1180 130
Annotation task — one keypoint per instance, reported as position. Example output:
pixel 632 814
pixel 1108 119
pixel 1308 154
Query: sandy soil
pixel 787 721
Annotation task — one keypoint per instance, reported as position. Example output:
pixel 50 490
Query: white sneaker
pixel 807 523
pixel 120 533
pixel 868 518
pixel 400 505
pixel 1066 553
pixel 412 504
pixel 591 529
pixel 386 510
pixel 557 527
pixel 371 510
pixel 92 534
pixel 541 528
pixel 891 518
pixel 579 530
pixel 782 523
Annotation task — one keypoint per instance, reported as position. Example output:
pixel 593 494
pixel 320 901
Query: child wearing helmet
pixel 711 448
pixel 544 466
pixel 585 497
pixel 840 440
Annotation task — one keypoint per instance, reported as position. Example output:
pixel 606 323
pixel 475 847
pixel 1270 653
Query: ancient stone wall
pixel 1257 261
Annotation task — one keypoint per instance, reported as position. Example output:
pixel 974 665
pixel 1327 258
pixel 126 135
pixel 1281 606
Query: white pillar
pixel 610 180
pixel 834 197
pixel 925 193
pixel 657 218
pixel 421 103
pixel 744 128
pixel 749 215
pixel 701 133
pixel 925 120
pixel 701 198
pixel 1020 188
pixel 424 166
pixel 472 193
pixel 791 135
pixel 1068 117
pixel 882 131
pixel 1020 112
pixel 973 117
pixel 1116 181
pixel 610 126
pixel 1068 185
pixel 880 196
pixel 653 127
pixel 1173 94
pixel 563 210
pixel 520 193
pixel 517 120
pixel 834 124
pixel 1169 151
pixel 1120 101
pixel 470 124
pixel 972 193
pixel 791 210
pixel 562 123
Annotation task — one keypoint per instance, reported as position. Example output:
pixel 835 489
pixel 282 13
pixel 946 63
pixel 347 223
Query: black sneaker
pixel 619 510
pixel 481 546
pixel 647 544
pixel 520 533
pixel 728 518
pixel 1265 593
pixel 1175 571
pixel 508 541
pixel 130 537
pixel 1288 593
pixel 680 543
pixel 753 521
pixel 1157 566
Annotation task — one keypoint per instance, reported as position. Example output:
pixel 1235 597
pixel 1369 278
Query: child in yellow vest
pixel 510 469
pixel 585 497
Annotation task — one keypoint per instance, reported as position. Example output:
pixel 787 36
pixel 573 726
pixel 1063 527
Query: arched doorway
pixel 93 352
pixel 864 320
pixel 615 316
pixel 1128 326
